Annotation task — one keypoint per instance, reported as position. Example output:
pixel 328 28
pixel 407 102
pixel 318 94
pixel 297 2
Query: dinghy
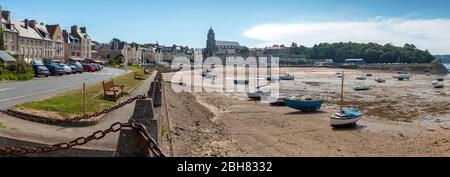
pixel 438 84
pixel 345 117
pixel 277 101
pixel 304 104
pixel 208 74
pixel 241 82
pixel 362 88
pixel 258 95
pixel 287 77
pixel 401 76
pixel 361 78
pixel 380 80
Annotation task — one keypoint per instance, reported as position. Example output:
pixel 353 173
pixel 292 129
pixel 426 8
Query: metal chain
pixel 74 119
pixel 138 127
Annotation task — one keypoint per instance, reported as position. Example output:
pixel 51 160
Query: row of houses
pixel 31 40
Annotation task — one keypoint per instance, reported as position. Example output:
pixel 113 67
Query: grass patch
pixel 70 103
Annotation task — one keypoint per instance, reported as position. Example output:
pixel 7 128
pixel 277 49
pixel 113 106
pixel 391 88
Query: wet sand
pixel 402 118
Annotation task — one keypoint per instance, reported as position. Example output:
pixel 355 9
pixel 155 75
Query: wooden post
pixel 342 92
pixel 84 99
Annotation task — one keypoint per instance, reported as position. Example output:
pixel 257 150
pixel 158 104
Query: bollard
pixel 144 113
pixel 157 97
pixel 131 144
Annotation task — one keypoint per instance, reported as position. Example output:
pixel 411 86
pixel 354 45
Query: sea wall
pixel 413 68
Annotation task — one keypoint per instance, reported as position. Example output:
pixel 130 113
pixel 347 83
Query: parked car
pixel 76 67
pixel 67 69
pixel 39 69
pixel 55 69
pixel 97 67
pixel 88 68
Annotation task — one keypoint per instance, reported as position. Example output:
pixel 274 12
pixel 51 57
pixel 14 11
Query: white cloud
pixel 430 34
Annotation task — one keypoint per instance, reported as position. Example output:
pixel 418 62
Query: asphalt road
pixel 12 93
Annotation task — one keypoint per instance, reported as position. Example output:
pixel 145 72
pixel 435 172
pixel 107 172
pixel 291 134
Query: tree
pixel 371 52
pixel 244 50
pixel 2 42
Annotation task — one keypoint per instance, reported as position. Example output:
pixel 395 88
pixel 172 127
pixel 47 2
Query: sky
pixel 253 23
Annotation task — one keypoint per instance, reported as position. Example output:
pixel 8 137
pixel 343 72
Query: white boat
pixel 361 88
pixel 345 117
pixel 380 80
pixel 258 95
pixel 438 84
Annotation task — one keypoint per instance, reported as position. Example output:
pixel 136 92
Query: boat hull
pixel 348 117
pixel 304 106
pixel 257 95
pixel 241 82
pixel 338 122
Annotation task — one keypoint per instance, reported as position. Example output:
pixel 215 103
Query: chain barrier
pixel 116 127
pixel 138 127
pixel 74 119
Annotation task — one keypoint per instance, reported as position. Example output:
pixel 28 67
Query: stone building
pixel 58 41
pixel 72 46
pixel 10 33
pixel 34 41
pixel 215 47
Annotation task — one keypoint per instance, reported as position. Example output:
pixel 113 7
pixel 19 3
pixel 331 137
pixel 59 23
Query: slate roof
pixel 227 43
pixel 26 32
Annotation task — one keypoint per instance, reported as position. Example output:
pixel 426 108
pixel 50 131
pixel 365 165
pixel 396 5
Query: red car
pixel 89 68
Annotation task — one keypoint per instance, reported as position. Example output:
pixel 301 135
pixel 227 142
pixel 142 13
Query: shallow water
pixel 448 67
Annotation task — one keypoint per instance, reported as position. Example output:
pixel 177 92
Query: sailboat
pixel 345 116
pixel 285 77
pixel 402 75
pixel 363 86
pixel 379 79
pixel 363 76
pixel 439 82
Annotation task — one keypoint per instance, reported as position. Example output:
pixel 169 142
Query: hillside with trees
pixel 371 52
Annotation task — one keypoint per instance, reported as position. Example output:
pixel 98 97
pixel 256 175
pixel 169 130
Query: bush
pixel 25 77
pixel 20 67
pixel 12 77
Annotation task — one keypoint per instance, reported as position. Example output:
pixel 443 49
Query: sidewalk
pixel 49 134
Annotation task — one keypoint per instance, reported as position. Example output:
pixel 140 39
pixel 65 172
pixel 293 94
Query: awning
pixel 6 57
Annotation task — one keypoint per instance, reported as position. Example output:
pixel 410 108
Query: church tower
pixel 211 42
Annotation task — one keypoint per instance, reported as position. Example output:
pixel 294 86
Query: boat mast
pixel 342 92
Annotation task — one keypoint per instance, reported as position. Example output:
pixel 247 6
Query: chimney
pixel 42 24
pixel 26 23
pixel 6 15
pixel 74 29
pixel 32 23
pixel 83 29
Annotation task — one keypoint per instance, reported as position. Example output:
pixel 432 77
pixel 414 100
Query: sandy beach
pixel 402 118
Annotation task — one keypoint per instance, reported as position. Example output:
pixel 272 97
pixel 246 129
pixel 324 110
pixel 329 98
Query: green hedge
pixel 19 70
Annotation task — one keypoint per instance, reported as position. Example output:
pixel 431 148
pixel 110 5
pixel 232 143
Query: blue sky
pixel 251 22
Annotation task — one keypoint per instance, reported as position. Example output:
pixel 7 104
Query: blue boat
pixel 304 105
